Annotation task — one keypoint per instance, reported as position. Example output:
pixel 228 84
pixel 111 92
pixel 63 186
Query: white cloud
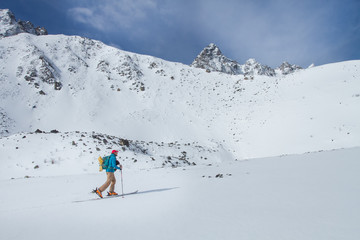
pixel 81 14
pixel 107 15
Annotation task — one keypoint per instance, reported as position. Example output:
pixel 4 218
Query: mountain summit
pixel 10 27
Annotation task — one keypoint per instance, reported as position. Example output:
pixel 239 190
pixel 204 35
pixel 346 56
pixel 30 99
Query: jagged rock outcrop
pixel 212 59
pixel 10 27
pixel 252 67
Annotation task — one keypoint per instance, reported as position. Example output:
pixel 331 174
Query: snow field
pixel 308 196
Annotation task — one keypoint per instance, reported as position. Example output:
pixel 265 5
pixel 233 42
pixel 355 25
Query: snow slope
pixel 311 196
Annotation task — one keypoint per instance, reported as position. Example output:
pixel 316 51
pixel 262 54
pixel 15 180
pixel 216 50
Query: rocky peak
pixel 210 50
pixel 9 26
pixel 212 59
pixel 287 68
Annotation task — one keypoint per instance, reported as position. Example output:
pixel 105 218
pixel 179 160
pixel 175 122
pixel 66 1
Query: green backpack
pixel 103 163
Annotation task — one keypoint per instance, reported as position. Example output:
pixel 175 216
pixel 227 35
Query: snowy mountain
pixel 10 26
pixel 74 84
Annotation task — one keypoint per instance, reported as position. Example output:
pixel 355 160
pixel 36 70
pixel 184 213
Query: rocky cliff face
pixel 10 26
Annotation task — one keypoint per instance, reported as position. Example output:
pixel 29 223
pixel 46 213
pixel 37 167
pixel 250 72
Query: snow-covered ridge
pixel 10 26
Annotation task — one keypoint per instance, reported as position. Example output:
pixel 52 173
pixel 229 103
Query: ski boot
pixel 112 194
pixel 97 191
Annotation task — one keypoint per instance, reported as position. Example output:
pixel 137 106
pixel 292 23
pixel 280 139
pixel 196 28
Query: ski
pixel 121 195
pixel 106 197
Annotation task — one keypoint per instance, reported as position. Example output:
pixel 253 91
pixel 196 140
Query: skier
pixel 111 180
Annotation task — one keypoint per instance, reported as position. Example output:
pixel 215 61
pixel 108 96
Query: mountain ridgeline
pixel 212 59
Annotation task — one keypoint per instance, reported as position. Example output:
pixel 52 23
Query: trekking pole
pixel 122 184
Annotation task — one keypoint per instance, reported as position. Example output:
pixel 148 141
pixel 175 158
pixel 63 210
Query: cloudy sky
pixel 301 32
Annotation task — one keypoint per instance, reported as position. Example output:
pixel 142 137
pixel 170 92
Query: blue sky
pixel 301 32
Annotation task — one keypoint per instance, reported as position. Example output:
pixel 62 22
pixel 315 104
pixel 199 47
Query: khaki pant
pixel 110 180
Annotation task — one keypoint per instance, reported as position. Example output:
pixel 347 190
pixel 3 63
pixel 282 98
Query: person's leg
pixel 107 183
pixel 113 182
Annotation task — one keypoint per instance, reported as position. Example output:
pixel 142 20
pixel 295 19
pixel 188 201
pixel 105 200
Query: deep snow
pixel 308 196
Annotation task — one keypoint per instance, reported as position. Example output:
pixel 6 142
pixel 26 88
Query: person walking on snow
pixel 111 180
